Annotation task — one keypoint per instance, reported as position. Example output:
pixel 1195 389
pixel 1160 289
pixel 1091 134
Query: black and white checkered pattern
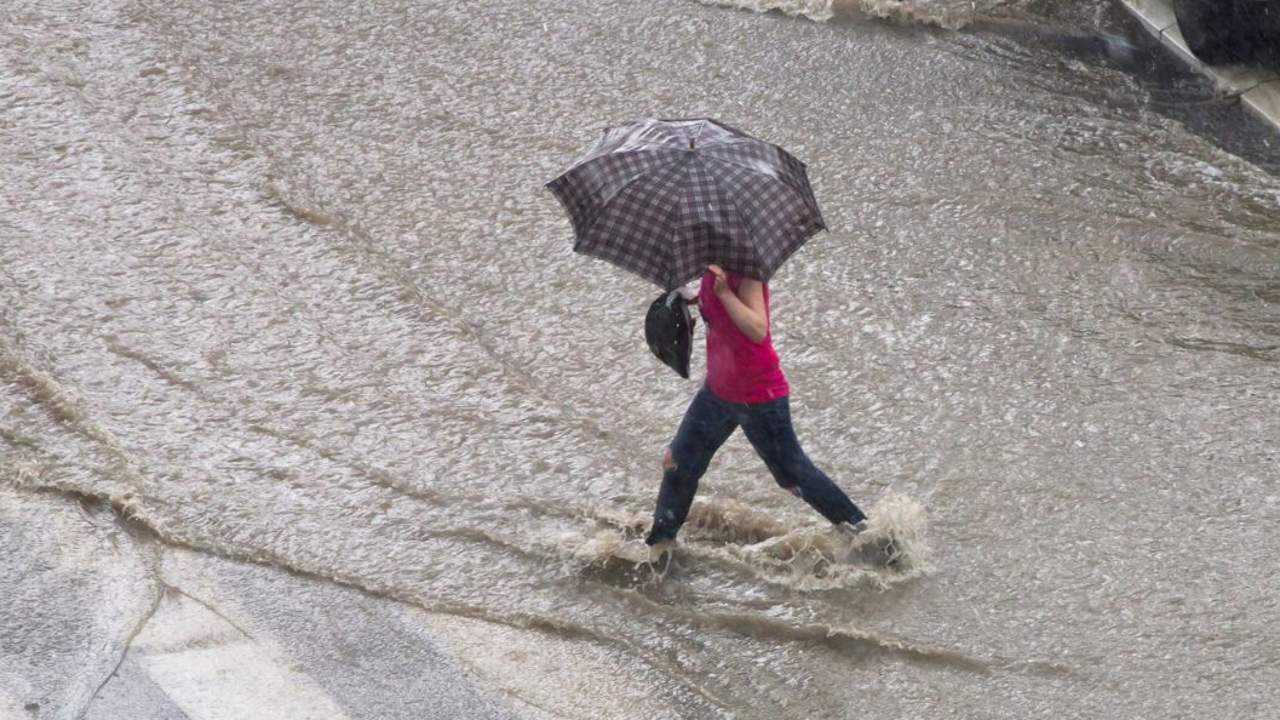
pixel 665 198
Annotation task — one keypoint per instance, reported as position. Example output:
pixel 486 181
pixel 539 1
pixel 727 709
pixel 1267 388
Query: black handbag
pixel 668 329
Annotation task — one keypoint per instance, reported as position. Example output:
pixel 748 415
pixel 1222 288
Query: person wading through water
pixel 745 387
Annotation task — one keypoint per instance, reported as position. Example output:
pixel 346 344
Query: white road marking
pixel 213 671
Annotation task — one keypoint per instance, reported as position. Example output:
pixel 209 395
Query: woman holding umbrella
pixel 672 200
pixel 745 388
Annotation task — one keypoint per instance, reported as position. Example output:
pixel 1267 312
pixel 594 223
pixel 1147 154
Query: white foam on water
pixel 810 557
pixel 819 10
pixel 951 14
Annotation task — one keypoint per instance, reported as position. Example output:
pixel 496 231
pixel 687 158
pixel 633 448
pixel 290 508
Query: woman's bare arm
pixel 745 307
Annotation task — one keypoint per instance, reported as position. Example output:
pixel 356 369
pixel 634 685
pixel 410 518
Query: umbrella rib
pixel 733 198
pixel 784 178
pixel 671 245
pixel 677 161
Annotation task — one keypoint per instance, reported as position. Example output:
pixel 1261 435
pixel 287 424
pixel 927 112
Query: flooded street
pixel 280 284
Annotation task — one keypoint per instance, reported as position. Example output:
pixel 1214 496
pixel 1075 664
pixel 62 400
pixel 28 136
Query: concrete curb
pixel 1257 88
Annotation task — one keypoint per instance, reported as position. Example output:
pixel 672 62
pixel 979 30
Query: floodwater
pixel 279 280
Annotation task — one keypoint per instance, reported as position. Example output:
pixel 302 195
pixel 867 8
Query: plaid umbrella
pixel 665 198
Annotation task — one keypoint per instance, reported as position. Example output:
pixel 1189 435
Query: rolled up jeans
pixel 710 421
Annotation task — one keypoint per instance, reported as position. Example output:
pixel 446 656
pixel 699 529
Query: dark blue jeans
pixel 710 421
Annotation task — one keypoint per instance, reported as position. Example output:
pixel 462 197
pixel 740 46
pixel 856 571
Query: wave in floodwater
pixel 950 14
pixel 733 535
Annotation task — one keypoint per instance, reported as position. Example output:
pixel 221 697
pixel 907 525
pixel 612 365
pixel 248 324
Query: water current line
pixel 361 244
pixel 60 402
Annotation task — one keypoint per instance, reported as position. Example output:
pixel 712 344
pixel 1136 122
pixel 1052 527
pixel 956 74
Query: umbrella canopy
pixel 665 198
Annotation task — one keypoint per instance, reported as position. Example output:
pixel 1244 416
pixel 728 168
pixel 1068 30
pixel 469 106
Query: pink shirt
pixel 738 370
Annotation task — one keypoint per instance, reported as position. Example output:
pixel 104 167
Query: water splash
pixel 734 536
pixel 949 14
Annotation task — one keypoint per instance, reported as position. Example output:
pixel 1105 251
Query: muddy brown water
pixel 280 280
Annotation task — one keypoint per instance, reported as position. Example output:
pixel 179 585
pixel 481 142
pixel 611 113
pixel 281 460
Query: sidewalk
pixel 1257 88
pixel 102 624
